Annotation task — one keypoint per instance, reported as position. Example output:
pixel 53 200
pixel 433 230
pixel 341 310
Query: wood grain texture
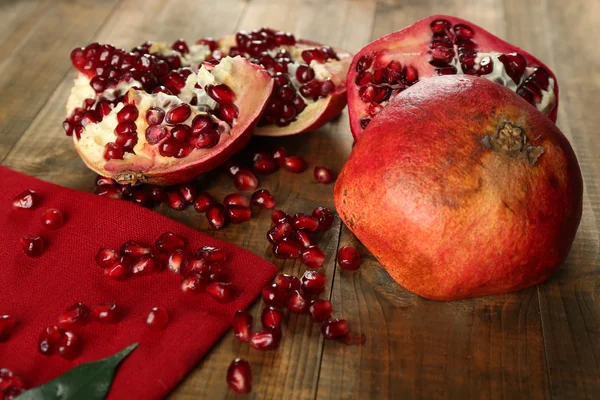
pixel 538 343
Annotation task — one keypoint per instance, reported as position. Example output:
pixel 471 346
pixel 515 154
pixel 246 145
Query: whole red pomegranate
pixel 461 188
pixel 442 45
pixel 160 114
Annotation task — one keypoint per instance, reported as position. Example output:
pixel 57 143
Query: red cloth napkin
pixel 37 290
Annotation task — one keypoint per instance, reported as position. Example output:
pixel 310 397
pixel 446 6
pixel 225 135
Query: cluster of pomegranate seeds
pixel 11 385
pixel 239 376
pixel 7 324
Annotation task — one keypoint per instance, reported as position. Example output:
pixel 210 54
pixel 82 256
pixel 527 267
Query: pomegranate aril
pixel 464 31
pixel 486 66
pixel 176 259
pixel 25 200
pixel 280 216
pixel 265 166
pixel 227 112
pixel 207 139
pixel 239 376
pixel 193 266
pixel 514 65
pixel 188 191
pixel 201 123
pixel 266 339
pixel 106 257
pixel 175 199
pixel 304 74
pixel 193 284
pixel 203 202
pixel 335 328
pixel 242 325
pixel 313 257
pixel 367 93
pixel 74 316
pixel 212 255
pixel 52 219
pixel 156 133
pixel 348 258
pixel 119 270
pixel 221 291
pixel 135 249
pixel 216 216
pixel 8 380
pixel 287 248
pixel 279 155
pixel 313 54
pixel 155 116
pixel 169 148
pixel 222 94
pixel 295 164
pixel 178 114
pixel 297 302
pixel 271 317
pixel 313 282
pixel 236 199
pixel 48 340
pixel 449 70
pixel 440 26
pixel 128 113
pixel 245 180
pixel 262 198
pixel 156 193
pixel 364 63
pixel 126 128
pixel 325 218
pixel 303 237
pixel 7 323
pixel 287 282
pixel 324 175
pixel 168 242
pixel 32 245
pixel 127 143
pixel 12 393
pixel 181 46
pixel 411 75
pixel 239 214
pixel 320 310
pixel 273 295
pixel 181 133
pixel 364 122
pixel 106 313
pixel 157 319
pixel 113 151
pixel 278 232
pixel 305 222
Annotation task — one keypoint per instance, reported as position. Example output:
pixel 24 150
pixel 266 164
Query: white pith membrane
pixel 408 51
pixel 145 161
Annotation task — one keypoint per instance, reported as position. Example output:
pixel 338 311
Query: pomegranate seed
pixel 271 317
pixel 279 155
pixel 217 275
pixel 193 284
pixel 228 112
pixel 208 41
pixel 128 113
pixel 324 216
pixel 348 258
pixel 207 139
pixel 146 265
pixel 168 242
pixel 273 295
pixel 113 151
pixel 13 392
pixel 278 232
pixel 320 310
pixel 262 198
pixel 313 257
pixel 287 248
pixel 313 282
pixel 119 270
pixel 242 325
pixel 222 94
pixel 306 222
pixel 193 266
pixel 221 291
pixel 74 316
pixel 106 313
pixel 245 180
pixel 324 175
pixel 106 257
pixel 216 216
pixel 514 64
pixel 335 328
pixel 304 74
pixel 411 75
pixel 52 219
pixel 280 216
pixel 188 191
pixel 239 214
pixel 8 380
pixel 297 302
pixel 157 319
pixel 178 114
pixel 295 164
pixel 181 46
pixel 7 323
pixel 464 31
pixel 32 245
pixel 313 54
pixel 175 200
pixel 127 143
pixel 155 116
pixel 265 166
pixel 287 282
pixel 48 340
pixel 201 123
pixel 212 255
pixel 181 133
pixel 176 258
pixel 135 249
pixel 169 148
pixel 239 376
pixel 236 199
pixel 364 63
pixel 303 237
pixel 266 339
pixel 25 200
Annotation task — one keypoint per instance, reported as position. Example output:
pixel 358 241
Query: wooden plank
pixel 35 46
pixel 488 348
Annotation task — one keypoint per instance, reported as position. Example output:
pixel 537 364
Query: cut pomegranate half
pixel 309 79
pixel 442 45
pixel 160 116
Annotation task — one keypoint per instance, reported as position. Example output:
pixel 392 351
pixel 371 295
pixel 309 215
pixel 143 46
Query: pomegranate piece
pixel 168 242
pixel 279 216
pixel 74 316
pixel 238 214
pixel 119 270
pixel 348 258
pixel 157 319
pixel 509 176
pixel 305 222
pixel 25 200
pixel 134 249
pixel 287 282
pixel 313 282
pixel 203 202
pixel 212 255
pixel 32 245
pixel 278 232
pixel 106 313
pixel 313 257
pixel 239 376
pixel 325 217
pixel 271 317
pixel 297 302
pixel 106 257
pixel 242 325
pixel 7 323
pixel 245 180
pixel 221 291
pixel 216 216
pixel 335 328
pixel 273 295
pixel 49 340
pixel 176 259
pixel 295 164
pixel 287 248
pixel 324 175
pixel 266 339
pixel 69 346
pixel 439 45
pixel 236 199
pixel 262 198
pixel 320 310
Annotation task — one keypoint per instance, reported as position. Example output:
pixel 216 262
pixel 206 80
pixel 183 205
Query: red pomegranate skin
pixel 450 214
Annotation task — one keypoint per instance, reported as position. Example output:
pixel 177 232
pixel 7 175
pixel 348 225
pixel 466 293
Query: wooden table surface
pixel 542 342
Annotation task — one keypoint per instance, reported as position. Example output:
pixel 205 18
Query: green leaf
pixel 88 381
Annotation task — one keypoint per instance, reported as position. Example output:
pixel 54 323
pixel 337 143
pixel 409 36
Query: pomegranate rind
pixel 252 86
pixel 448 217
pixel 318 113
pixel 413 41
